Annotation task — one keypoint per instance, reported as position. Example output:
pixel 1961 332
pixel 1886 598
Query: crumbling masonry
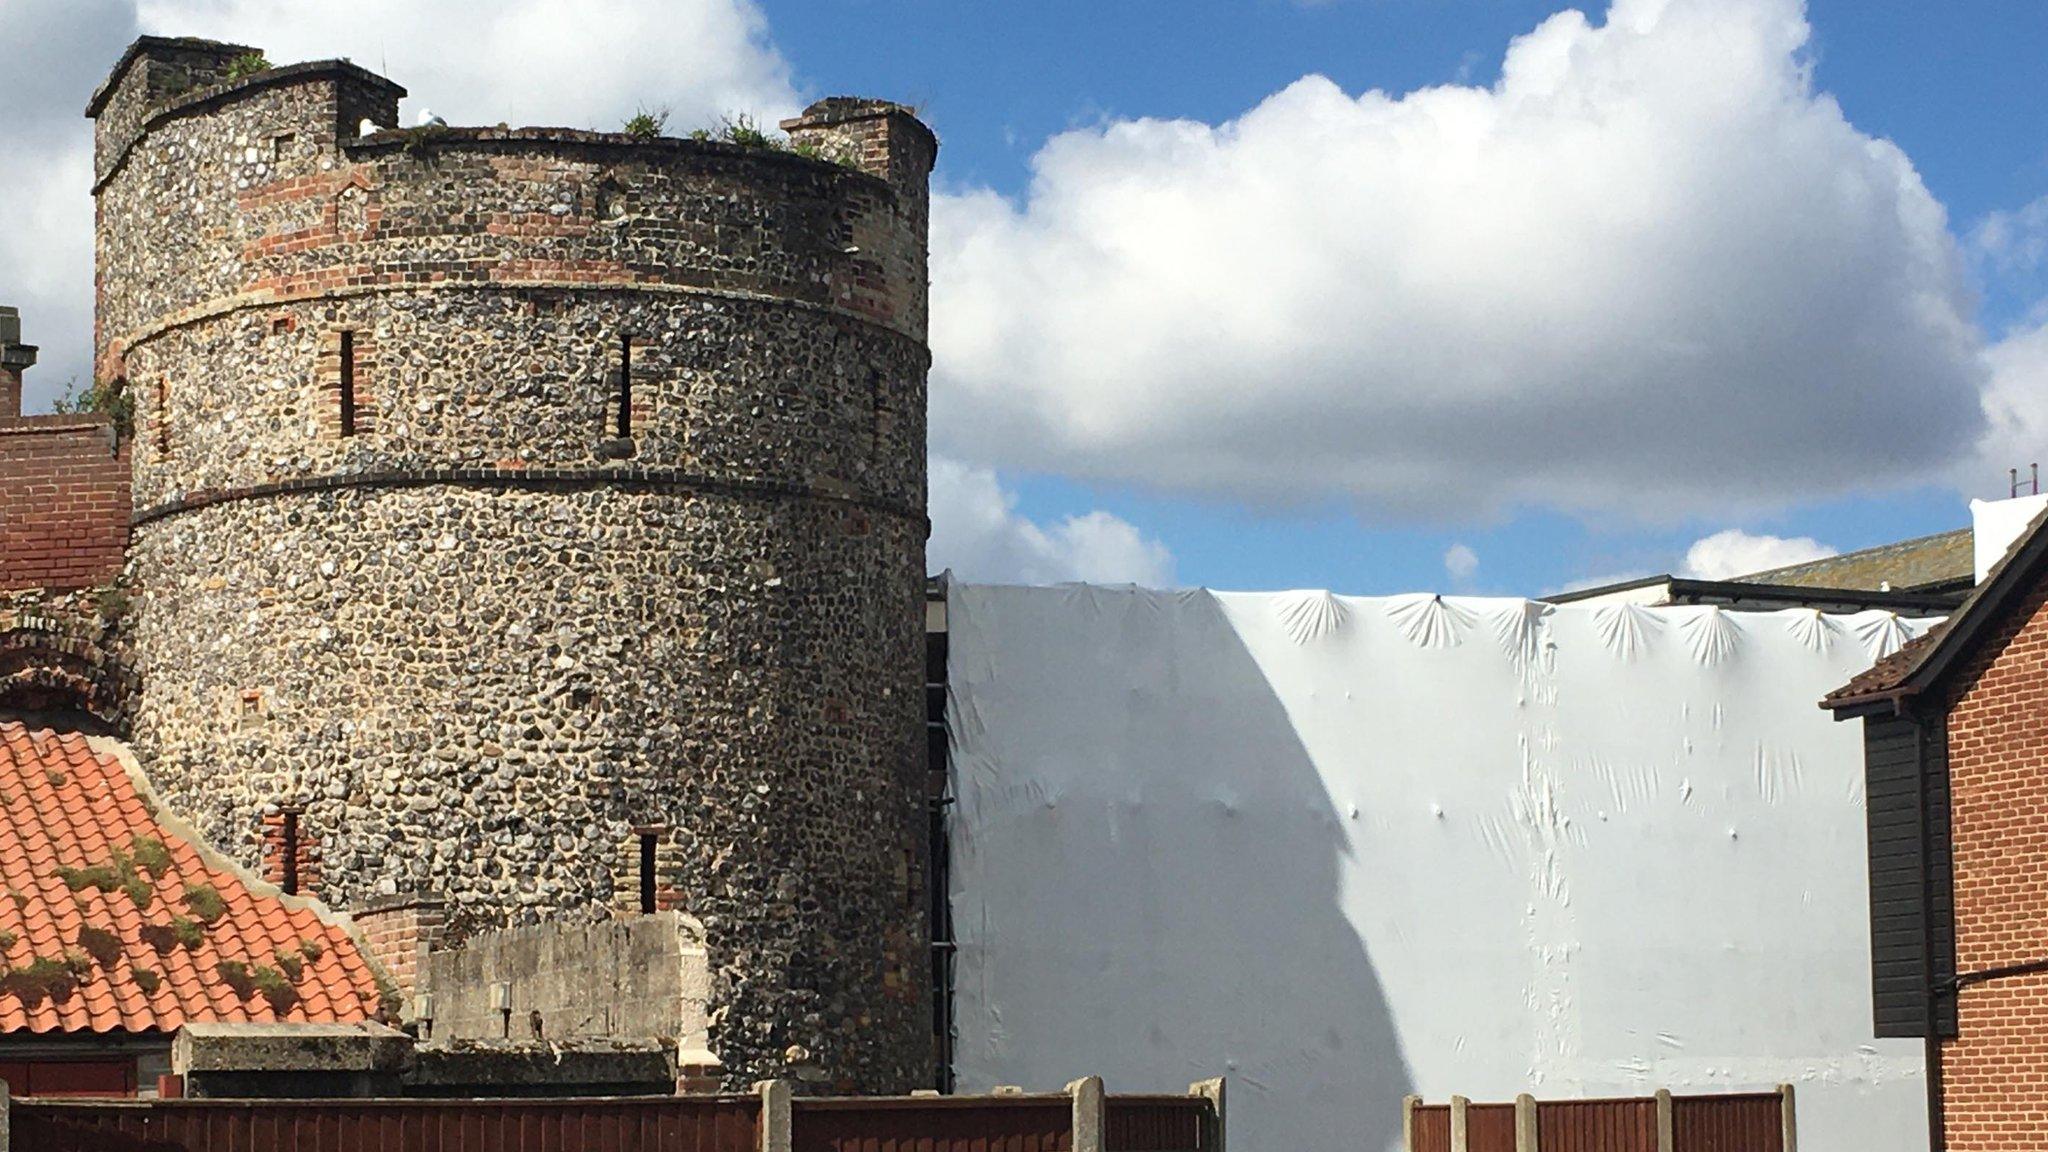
pixel 513 506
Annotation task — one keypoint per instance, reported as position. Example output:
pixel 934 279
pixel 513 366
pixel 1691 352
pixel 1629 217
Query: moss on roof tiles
pixel 1944 558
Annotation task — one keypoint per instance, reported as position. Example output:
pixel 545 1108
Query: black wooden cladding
pixel 939 875
pixel 1891 763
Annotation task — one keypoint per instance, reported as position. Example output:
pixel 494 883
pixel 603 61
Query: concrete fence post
pixel 1408 1106
pixel 1525 1123
pixel 775 1115
pixel 1664 1138
pixel 1458 1106
pixel 1091 1114
pixel 1788 1118
pixel 6 1125
pixel 1212 1091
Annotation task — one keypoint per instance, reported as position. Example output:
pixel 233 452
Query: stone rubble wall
pixel 185 199
pixel 155 72
pixel 258 203
pixel 482 641
pixel 636 977
pixel 722 387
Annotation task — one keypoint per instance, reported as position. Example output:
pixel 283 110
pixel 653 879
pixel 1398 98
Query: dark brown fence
pixel 1160 1124
pixel 933 1124
pixel 1490 1126
pixel 1734 1122
pixel 1429 1127
pixel 675 1124
pixel 1731 1123
pixel 1009 1123
pixel 1624 1125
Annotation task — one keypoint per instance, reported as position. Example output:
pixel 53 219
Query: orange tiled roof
pixel 1914 668
pixel 127 939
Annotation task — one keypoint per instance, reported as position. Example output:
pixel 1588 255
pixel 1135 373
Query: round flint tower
pixel 525 505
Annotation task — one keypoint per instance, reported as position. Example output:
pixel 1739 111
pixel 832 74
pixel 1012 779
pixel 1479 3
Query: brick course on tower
pixel 499 493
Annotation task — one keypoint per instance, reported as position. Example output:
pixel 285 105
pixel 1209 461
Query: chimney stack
pixel 15 358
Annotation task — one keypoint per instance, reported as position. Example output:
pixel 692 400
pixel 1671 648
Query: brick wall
pixel 397 930
pixel 1996 1069
pixel 64 502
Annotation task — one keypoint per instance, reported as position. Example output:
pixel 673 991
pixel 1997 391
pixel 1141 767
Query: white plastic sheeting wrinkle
pixel 1342 849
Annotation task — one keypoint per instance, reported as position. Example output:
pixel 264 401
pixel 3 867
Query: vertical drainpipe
pixel 1937 1134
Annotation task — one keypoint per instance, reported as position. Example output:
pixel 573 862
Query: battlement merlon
pixel 880 137
pixel 159 78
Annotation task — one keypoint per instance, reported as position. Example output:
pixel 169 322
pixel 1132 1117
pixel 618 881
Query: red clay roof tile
pixel 87 921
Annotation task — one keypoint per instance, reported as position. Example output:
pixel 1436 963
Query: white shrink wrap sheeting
pixel 1342 849
pixel 1996 524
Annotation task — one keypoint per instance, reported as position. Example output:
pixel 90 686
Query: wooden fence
pixel 1082 1120
pixel 700 1124
pixel 1734 1122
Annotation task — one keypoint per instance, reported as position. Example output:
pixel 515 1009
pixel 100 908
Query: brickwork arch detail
pixel 48 668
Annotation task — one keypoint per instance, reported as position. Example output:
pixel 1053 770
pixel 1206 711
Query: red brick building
pixel 64 524
pixel 1956 763
pixel 64 511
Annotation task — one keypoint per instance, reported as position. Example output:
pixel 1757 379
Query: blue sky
pixel 1577 291
pixel 1957 86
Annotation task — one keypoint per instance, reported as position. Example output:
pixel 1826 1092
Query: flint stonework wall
pixel 486 641
pixel 485 376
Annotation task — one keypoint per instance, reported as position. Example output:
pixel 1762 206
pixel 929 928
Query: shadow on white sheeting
pixel 1164 967
pixel 1340 849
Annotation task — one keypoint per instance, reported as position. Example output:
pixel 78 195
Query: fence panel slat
pixel 1432 1128
pixel 1490 1128
pixel 1750 1122
pixel 1156 1124
pixel 1628 1125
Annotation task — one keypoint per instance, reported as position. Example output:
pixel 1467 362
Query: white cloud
pixel 1652 269
pixel 1737 553
pixel 1460 562
pixel 2017 406
pixel 978 533
pixel 590 64
pixel 2014 240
